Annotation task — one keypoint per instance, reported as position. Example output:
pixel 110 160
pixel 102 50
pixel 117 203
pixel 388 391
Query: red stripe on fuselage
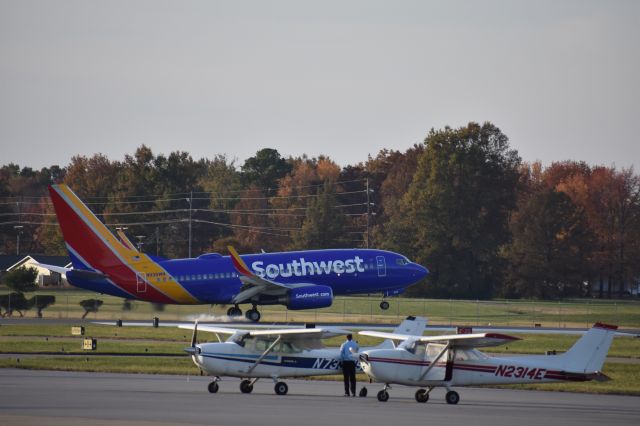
pixel 79 235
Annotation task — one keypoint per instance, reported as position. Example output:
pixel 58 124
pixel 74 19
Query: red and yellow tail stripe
pixel 91 239
pixel 239 263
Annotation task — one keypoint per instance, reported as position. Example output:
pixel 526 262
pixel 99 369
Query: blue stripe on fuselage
pixel 318 363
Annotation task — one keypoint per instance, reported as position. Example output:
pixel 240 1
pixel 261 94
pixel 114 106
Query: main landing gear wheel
pixel 213 387
pixel 281 388
pixel 452 397
pixel 384 305
pixel 246 386
pixel 252 315
pixel 234 311
pixel 422 395
pixel 383 396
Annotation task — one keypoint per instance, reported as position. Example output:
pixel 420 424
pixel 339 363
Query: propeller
pixel 192 350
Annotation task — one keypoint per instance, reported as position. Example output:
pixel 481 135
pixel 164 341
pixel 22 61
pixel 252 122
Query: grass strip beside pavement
pixel 105 364
pixel 74 346
pixel 100 331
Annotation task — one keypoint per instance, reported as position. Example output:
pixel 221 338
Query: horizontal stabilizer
pixel 53 268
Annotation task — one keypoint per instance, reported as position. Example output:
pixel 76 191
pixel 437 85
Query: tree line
pixel 463 203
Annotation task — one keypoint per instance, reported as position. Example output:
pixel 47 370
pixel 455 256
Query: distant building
pixel 7 261
pixel 45 277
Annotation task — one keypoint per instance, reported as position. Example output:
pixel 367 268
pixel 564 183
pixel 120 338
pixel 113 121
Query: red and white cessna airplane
pixel 448 361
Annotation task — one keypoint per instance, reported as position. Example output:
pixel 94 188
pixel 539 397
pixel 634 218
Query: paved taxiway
pixel 65 398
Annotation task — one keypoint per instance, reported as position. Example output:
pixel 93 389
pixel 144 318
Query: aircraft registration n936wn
pixel 298 280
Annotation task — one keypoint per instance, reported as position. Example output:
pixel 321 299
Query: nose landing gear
pixel 383 395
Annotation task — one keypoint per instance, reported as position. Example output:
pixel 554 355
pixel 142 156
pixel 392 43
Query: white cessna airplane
pixel 452 360
pixel 275 354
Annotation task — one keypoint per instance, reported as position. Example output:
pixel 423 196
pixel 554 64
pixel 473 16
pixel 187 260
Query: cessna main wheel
pixel 281 388
pixel 452 397
pixel 383 396
pixel 246 386
pixel 213 387
pixel 422 395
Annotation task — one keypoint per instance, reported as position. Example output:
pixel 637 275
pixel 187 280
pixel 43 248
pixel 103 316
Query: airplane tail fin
pixel 411 326
pixel 90 244
pixel 588 354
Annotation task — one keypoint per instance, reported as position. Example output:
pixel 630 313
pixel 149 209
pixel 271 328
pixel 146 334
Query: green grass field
pixel 570 313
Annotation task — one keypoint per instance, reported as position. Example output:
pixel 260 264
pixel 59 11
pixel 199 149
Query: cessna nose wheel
pixel 213 387
pixel 383 396
pixel 422 395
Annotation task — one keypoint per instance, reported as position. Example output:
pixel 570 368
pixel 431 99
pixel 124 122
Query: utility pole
pixel 157 241
pixel 18 229
pixel 190 200
pixel 368 214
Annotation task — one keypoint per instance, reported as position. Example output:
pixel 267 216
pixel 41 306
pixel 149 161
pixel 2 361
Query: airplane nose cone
pixel 421 271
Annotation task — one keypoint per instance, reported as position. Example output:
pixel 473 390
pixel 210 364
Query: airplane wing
pixel 305 338
pixel 213 329
pixel 252 284
pixel 462 341
pixel 302 333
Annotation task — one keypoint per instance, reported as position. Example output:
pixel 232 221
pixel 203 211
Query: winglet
pixel 238 263
pixel 125 241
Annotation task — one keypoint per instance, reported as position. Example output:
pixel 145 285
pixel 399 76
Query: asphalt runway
pixel 65 398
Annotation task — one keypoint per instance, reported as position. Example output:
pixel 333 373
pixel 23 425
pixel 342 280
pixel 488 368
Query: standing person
pixel 347 350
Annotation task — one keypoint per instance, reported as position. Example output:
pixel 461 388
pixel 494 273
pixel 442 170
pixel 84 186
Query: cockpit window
pixel 402 261
pixel 238 339
pixel 262 345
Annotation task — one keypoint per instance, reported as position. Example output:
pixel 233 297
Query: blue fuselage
pixel 212 278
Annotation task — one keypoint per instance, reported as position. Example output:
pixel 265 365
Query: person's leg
pixel 353 379
pixel 345 375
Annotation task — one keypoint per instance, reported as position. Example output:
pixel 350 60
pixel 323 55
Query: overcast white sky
pixel 342 78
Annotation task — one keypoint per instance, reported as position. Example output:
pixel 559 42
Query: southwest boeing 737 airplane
pixel 298 280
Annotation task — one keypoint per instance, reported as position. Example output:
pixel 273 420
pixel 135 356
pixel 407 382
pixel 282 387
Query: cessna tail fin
pixel 411 326
pixel 588 354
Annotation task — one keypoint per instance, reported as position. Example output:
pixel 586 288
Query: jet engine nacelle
pixel 309 297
